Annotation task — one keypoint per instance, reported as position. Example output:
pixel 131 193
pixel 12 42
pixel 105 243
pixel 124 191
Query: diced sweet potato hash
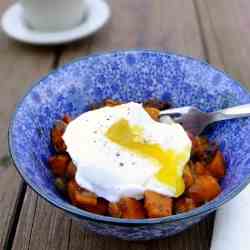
pixel 201 176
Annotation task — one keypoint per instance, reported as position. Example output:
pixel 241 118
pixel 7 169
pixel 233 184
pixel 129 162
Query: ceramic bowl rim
pixel 198 212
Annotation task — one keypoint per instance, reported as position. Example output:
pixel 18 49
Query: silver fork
pixel 195 121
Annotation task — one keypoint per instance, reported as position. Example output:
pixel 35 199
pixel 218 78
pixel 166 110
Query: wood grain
pixel 145 24
pixel 226 28
pixel 26 220
pixel 19 66
pixel 50 228
pixel 41 226
pixel 10 197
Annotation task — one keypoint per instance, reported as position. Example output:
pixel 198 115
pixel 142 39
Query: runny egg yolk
pixel 130 137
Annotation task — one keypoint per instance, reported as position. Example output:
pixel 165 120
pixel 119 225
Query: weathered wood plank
pixel 51 228
pixel 25 223
pixel 226 27
pixel 134 24
pixel 10 195
pixel 168 25
pixel 19 66
pixel 41 226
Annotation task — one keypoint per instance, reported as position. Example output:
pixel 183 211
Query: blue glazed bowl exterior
pixel 138 232
pixel 134 75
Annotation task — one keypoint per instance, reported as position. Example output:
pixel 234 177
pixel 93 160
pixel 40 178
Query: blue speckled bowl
pixel 129 75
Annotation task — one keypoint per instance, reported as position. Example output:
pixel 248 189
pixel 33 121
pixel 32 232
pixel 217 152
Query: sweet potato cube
pixel 154 103
pixel 114 210
pixel 72 188
pixel 100 208
pixel 184 204
pixel 56 136
pixel 188 177
pixel 70 171
pixel 111 103
pixel 217 165
pixel 67 119
pixel 205 188
pixel 84 199
pixel 58 164
pixel 132 208
pixel 200 169
pixel 157 205
pixel 153 112
pixel 199 146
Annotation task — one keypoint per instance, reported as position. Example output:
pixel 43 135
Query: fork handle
pixel 230 113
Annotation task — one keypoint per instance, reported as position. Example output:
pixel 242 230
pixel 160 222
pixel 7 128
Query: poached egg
pixel 121 152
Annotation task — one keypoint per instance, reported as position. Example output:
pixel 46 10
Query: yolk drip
pixel 130 137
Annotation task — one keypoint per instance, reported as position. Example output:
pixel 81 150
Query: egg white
pixel 108 169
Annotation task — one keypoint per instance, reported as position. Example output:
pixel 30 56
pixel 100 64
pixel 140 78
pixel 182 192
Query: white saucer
pixel 15 27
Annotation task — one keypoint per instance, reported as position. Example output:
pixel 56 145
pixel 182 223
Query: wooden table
pixel 218 31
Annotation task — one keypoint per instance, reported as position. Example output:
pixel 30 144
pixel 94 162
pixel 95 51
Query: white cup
pixel 53 15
